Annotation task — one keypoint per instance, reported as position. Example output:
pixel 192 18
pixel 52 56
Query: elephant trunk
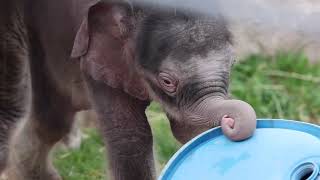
pixel 237 118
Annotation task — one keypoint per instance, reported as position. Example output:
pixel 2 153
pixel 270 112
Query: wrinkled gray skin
pixel 116 59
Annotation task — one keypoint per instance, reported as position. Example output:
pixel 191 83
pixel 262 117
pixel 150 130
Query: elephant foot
pixel 73 139
pixel 52 174
pixel 37 167
pixel 29 157
pixel 24 174
pixel 3 157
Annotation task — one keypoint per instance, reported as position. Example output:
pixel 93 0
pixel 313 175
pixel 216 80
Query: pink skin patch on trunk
pixel 228 121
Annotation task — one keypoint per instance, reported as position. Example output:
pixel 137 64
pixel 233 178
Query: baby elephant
pixel 115 57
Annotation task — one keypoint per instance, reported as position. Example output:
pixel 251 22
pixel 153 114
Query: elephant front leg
pixel 130 153
pixel 126 132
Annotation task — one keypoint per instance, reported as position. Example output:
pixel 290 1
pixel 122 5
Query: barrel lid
pixel 278 150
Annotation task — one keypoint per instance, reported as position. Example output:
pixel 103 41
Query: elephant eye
pixel 168 83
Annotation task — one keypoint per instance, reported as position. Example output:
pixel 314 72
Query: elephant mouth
pixel 236 118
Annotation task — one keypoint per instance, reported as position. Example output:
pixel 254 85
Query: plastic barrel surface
pixel 279 150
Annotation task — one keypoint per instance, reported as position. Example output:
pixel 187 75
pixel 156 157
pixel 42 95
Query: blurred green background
pixel 282 86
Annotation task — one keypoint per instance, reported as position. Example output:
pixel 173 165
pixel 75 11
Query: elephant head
pixel 186 62
pixel 180 59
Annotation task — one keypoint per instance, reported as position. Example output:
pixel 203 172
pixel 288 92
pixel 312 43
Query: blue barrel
pixel 279 150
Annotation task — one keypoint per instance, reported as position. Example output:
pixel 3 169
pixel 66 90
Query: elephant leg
pixel 50 119
pixel 74 138
pixel 48 123
pixel 126 132
pixel 14 77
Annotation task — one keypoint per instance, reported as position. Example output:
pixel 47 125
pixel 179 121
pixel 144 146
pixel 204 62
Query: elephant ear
pixel 105 46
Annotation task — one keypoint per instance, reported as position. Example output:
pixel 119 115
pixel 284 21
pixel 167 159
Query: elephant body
pixel 60 57
pixel 55 25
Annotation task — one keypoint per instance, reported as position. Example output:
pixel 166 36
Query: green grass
pixel 283 86
pixel 83 164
